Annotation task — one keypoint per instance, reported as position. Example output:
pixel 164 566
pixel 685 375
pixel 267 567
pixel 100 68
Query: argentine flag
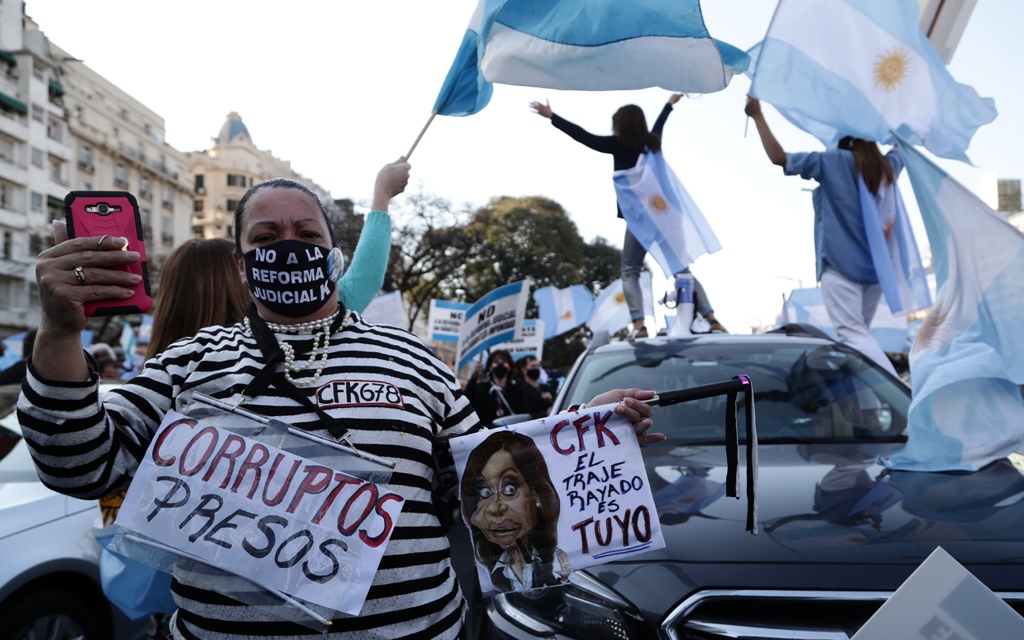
pixel 894 249
pixel 586 45
pixel 864 68
pixel 662 215
pixel 601 45
pixel 465 91
pixel 968 358
pixel 563 309
pixel 610 312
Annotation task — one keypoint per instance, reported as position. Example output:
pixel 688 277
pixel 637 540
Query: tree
pixel 534 238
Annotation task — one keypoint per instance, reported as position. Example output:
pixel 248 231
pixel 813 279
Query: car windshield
pixel 802 392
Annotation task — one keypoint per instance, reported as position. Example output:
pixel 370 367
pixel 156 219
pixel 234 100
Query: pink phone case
pixel 113 213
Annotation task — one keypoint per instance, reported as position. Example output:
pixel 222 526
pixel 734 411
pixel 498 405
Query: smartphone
pixel 116 214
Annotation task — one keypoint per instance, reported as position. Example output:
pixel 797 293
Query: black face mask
pixel 290 277
pixel 500 371
pixel 533 374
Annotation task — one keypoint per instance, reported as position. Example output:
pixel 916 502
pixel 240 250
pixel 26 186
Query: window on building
pixel 54 129
pixel 199 183
pixel 38 71
pixel 37 157
pixel 197 231
pixel 166 230
pixel 38 113
pixel 7 289
pixel 232 205
pixel 235 180
pixel 33 295
pixel 6 196
pixel 8 245
pixel 147 228
pixel 56 170
pixel 124 115
pixel 79 111
pixel 120 176
pixel 85 158
pixel 37 201
pixel 197 205
pixel 168 199
pixel 6 149
pixel 145 187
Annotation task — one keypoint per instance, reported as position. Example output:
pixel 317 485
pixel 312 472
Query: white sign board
pixel 493 319
pixel 445 320
pixel 282 521
pixel 550 496
pixel 942 601
pixel 529 343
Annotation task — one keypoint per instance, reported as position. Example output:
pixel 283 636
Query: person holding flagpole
pixel 630 140
pixel 845 265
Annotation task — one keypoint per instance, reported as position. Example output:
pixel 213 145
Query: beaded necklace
pixel 321 330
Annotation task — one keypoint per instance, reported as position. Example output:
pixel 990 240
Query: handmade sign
pixel 287 523
pixel 550 496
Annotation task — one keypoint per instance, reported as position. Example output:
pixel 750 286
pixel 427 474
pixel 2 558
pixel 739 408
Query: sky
pixel 341 88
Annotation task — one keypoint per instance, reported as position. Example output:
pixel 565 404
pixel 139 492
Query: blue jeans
pixel 633 254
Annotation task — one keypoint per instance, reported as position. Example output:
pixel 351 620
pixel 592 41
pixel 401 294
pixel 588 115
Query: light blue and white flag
pixel 563 309
pixel 597 45
pixel 493 319
pixel 893 248
pixel 12 350
pixel 465 91
pixel 662 215
pixel 864 68
pixel 806 306
pixel 968 358
pixel 601 45
pixel 610 311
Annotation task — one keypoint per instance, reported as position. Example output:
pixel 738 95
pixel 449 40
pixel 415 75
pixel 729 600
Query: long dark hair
pixel 630 127
pixel 199 287
pixel 870 163
pixel 531 465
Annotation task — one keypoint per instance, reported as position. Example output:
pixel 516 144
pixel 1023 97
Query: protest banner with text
pixel 284 522
pixel 554 495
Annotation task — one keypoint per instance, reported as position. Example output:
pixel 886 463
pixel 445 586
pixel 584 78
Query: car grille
pixel 771 615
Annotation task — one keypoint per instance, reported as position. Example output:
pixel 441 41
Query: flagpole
pixel 422 131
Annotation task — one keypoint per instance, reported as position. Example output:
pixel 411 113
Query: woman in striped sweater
pixel 298 356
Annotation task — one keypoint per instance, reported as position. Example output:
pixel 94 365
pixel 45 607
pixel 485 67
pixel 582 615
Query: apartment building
pixel 221 174
pixel 64 127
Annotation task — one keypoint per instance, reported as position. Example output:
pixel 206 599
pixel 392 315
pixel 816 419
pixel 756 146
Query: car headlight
pixel 585 608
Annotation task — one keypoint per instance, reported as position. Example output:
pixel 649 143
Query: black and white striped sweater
pixel 86 448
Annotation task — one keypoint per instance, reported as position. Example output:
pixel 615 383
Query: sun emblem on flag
pixel 658 203
pixel 891 68
pixel 567 315
pixel 620 298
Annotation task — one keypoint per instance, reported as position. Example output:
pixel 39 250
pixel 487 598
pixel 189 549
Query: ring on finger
pixel 80 275
pixel 99 245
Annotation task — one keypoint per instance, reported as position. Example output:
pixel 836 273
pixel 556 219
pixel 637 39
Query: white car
pixel 49 558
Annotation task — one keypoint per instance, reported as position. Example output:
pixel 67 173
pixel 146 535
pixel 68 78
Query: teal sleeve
pixel 364 277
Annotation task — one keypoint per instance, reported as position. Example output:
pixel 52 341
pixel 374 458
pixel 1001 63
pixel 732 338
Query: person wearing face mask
pixel 491 390
pixel 299 356
pixel 533 396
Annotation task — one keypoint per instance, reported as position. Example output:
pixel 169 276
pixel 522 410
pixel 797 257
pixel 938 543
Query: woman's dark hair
pixel 870 163
pixel 497 354
pixel 630 127
pixel 277 183
pixel 531 465
pixel 199 287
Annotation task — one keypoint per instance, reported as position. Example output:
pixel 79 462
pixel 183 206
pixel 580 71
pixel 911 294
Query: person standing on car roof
pixel 849 283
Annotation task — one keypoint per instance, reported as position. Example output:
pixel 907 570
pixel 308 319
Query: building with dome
pixel 222 173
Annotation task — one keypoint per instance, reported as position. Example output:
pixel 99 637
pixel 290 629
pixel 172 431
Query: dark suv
pixel 838 533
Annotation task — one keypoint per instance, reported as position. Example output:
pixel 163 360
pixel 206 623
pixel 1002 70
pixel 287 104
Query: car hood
pixel 832 504
pixel 24 505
